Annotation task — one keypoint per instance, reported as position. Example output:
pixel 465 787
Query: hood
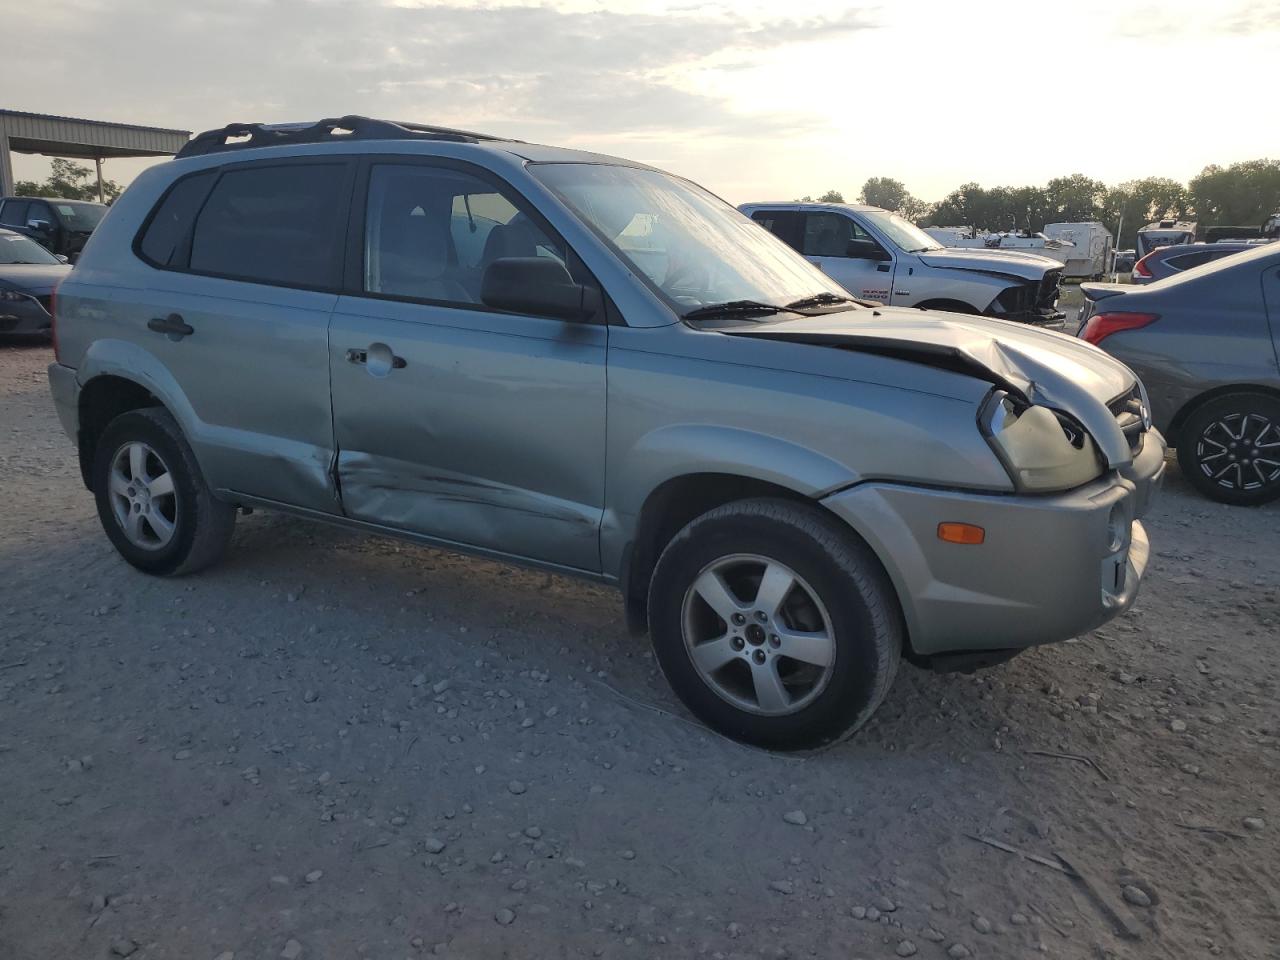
pixel 1039 366
pixel 1014 263
pixel 38 279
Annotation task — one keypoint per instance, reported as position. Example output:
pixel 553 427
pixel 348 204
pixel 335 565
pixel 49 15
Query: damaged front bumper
pixel 1051 567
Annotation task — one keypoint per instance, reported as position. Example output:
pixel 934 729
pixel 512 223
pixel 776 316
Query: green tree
pixel 1243 193
pixel 885 192
pixel 1073 199
pixel 1134 204
pixel 831 196
pixel 68 181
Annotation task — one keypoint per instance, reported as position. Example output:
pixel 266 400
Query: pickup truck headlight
pixel 1042 449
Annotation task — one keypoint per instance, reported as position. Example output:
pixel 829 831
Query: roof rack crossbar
pixel 246 136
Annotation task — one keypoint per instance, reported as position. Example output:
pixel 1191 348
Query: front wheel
pixel 775 624
pixel 152 499
pixel 1229 449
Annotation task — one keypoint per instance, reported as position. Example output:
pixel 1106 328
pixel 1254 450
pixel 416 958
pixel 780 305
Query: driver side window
pixel 432 232
pixel 830 234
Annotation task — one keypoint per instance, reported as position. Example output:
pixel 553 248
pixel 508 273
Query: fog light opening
pixel 1117 529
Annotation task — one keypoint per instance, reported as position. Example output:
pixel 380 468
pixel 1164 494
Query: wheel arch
pixel 670 507
pixel 117 376
pixel 1208 396
pixel 101 400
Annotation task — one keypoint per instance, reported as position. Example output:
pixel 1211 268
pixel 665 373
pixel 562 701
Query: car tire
pixel 152 499
pixel 1251 421
pixel 729 659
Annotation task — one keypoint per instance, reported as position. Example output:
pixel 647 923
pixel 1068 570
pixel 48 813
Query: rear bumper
pixel 1051 567
pixel 66 397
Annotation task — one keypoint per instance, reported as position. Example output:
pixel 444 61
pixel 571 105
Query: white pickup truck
pixel 877 255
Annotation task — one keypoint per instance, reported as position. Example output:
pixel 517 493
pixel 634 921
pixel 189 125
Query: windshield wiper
pixel 819 300
pixel 729 307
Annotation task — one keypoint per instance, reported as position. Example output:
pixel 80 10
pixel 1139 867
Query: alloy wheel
pixel 143 499
pixel 758 634
pixel 1240 451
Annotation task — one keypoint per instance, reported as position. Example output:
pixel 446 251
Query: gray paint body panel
pixel 541 440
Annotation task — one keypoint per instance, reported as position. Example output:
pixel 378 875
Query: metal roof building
pixel 80 139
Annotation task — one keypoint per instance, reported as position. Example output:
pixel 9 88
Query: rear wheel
pixel 1229 449
pixel 775 624
pixel 152 499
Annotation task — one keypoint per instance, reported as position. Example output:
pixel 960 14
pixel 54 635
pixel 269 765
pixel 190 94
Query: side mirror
pixel 536 285
pixel 61 258
pixel 865 250
pixel 40 226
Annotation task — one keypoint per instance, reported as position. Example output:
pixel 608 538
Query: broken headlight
pixel 1043 449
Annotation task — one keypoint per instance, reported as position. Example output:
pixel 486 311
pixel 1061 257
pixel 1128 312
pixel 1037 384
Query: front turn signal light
pixel 964 533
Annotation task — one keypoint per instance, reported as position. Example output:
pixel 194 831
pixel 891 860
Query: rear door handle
pixel 172 326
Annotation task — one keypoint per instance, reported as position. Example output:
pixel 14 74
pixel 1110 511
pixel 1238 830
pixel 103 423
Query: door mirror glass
pixel 536 285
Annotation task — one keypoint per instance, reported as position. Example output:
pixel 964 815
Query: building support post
pixel 6 163
pixel 97 162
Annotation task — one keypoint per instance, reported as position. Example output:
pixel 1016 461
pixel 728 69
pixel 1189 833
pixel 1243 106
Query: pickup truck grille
pixel 1047 295
pixel 1032 301
pixel 1127 409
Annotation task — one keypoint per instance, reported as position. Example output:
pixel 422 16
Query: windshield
pixel 902 232
pixel 693 248
pixel 18 249
pixel 79 216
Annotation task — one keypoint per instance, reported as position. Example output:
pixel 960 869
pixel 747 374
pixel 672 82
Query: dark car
pixel 1166 261
pixel 1124 260
pixel 63 226
pixel 28 274
pixel 1205 344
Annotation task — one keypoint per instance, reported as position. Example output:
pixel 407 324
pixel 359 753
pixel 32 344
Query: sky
pixel 756 99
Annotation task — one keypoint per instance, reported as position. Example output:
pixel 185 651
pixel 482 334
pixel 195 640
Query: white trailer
pixel 1164 233
pixel 1089 256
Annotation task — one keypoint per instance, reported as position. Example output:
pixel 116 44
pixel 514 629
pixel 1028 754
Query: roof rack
pixel 246 136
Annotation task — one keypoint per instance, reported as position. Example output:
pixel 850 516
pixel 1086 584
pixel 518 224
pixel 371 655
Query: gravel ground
pixel 340 747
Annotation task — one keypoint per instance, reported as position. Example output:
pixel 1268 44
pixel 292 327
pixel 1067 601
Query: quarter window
pixel 431 232
pixel 170 225
pixel 273 224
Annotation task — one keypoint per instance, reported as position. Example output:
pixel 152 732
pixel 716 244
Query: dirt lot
pixel 334 747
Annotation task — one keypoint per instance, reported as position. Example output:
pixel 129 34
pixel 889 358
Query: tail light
pixel 1102 325
pixel 1140 269
pixel 53 323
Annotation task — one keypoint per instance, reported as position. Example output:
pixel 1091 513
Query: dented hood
pixel 1013 263
pixel 1039 366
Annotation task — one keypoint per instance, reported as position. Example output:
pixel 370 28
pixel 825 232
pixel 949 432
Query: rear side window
pixel 274 224
pixel 786 225
pixel 14 213
pixel 1188 260
pixel 170 225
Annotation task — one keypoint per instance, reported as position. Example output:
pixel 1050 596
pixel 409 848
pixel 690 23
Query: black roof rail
pixel 246 136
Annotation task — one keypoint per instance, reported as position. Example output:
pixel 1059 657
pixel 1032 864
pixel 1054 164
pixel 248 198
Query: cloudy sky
pixel 756 99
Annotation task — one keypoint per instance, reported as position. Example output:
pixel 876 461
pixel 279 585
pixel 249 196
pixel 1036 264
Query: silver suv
pixel 591 366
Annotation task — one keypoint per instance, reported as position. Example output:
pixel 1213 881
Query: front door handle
pixel 377 358
pixel 173 326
